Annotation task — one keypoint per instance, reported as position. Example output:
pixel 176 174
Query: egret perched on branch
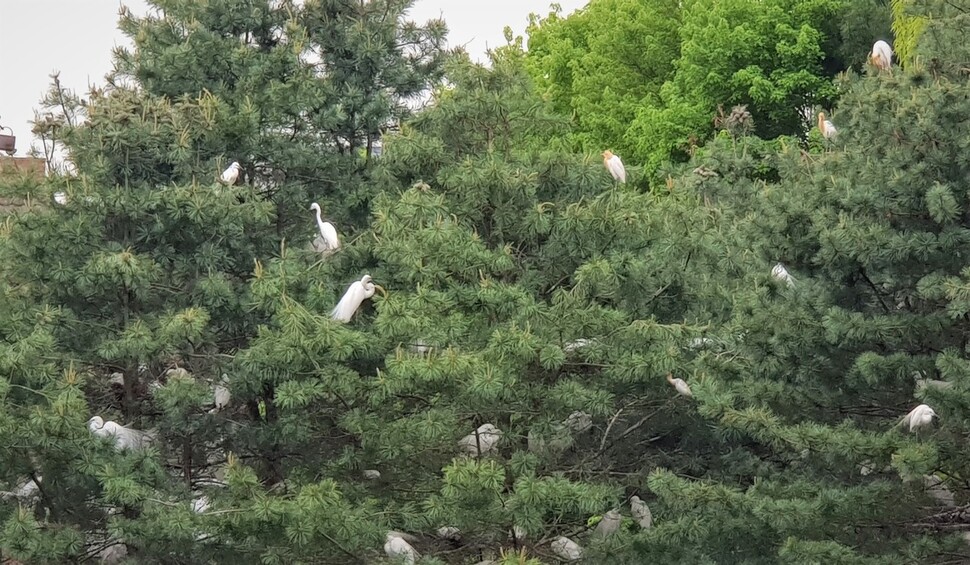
pixel 230 175
pixel 781 273
pixel 123 438
pixel 826 127
pixel 396 548
pixel 221 395
pixel 608 525
pixel 327 242
pixel 481 441
pixel 919 417
pixel 641 512
pixel 566 548
pixel 680 385
pixel 614 165
pixel 357 293
pixel 882 55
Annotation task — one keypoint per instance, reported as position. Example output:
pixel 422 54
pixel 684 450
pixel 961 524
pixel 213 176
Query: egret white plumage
pixel 356 294
pixel 123 438
pixel 641 512
pixel 481 441
pixel 680 385
pixel 372 474
pixel 781 273
pixel 60 198
pixel 609 524
pixel 396 548
pixel 230 175
pixel 826 127
pixel 576 344
pixel 882 55
pixel 615 166
pixel 566 548
pixel 919 417
pixel 221 395
pixel 327 242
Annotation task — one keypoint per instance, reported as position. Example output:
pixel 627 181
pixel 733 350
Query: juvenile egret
pixel 481 441
pixel 641 512
pixel 357 292
pixel 826 127
pixel 123 438
pixel 608 525
pixel 700 342
pixel 578 421
pixel 230 175
pixel 372 474
pixel 566 549
pixel 396 548
pixel 680 385
pixel 614 165
pixel 221 395
pixel 781 273
pixel 327 242
pixel 919 417
pixel 60 198
pixel 576 344
pixel 882 55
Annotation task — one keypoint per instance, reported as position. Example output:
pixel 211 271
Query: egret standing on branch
pixel 230 175
pixel 614 166
pixel 826 127
pixel 356 294
pixel 327 242
pixel 124 438
pixel 919 417
pixel 882 55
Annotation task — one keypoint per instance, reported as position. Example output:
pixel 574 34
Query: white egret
pixel 700 342
pixel 481 441
pixel 609 524
pixel 372 474
pixel 781 273
pixel 578 421
pixel 357 293
pixel 641 512
pixel 882 55
pixel 396 548
pixel 60 198
pixel 826 127
pixel 327 242
pixel 680 385
pixel 123 438
pixel 614 165
pixel 919 417
pixel 230 175
pixel 221 395
pixel 566 548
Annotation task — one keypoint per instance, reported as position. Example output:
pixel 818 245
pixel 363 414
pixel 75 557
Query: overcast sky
pixel 75 37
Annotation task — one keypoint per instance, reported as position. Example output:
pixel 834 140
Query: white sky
pixel 75 37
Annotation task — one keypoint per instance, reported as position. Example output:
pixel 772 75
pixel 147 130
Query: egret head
pixel 607 154
pixel 235 165
pixel 95 423
pixel 315 207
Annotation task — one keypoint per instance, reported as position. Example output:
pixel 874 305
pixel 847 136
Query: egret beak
pixel 381 288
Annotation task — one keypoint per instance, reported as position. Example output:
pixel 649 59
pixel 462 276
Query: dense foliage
pixel 521 288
